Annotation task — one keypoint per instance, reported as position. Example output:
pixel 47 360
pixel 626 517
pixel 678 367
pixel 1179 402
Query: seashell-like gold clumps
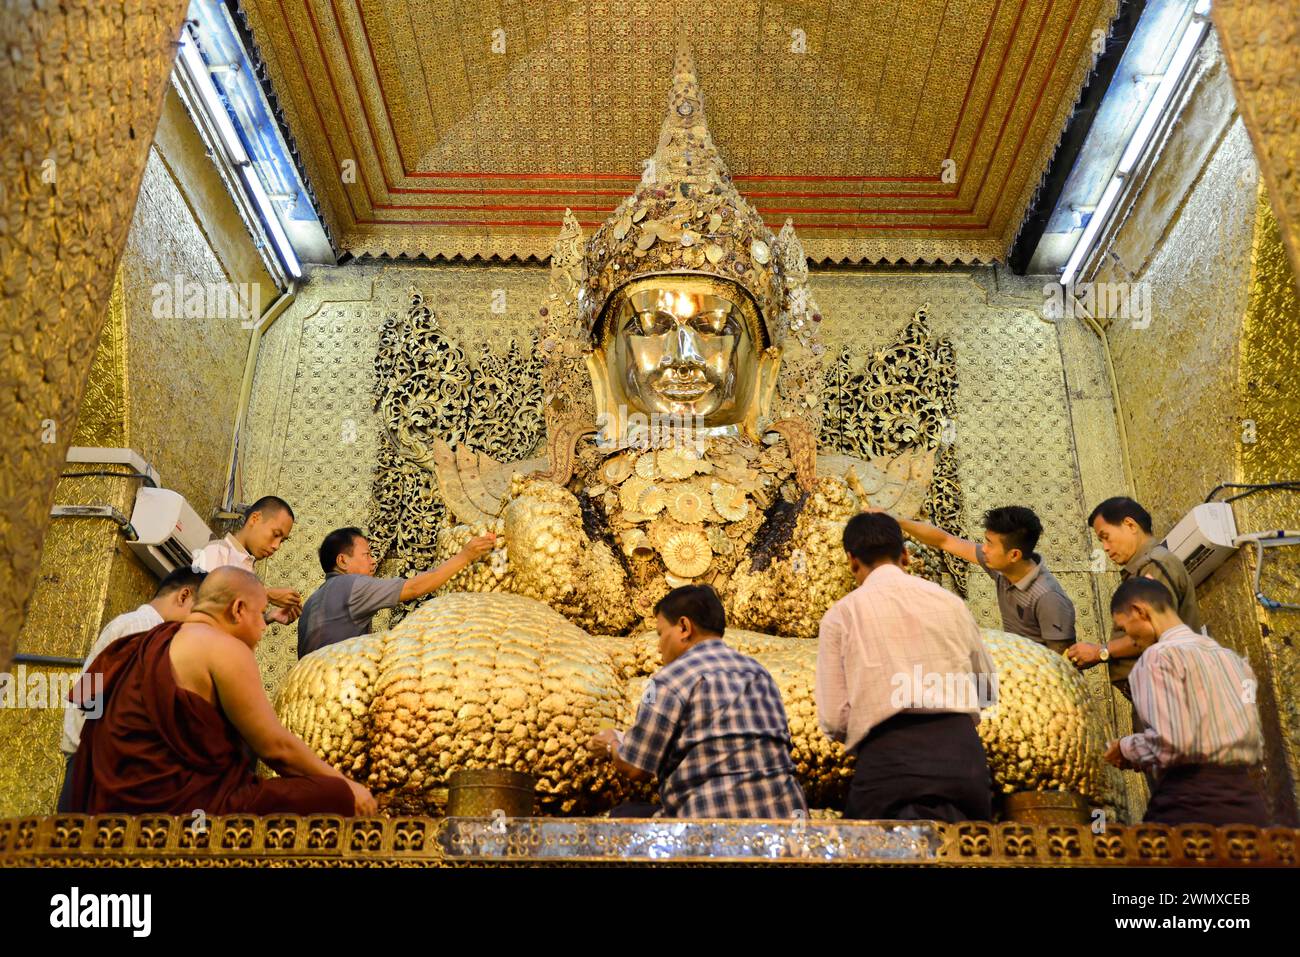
pixel 498 680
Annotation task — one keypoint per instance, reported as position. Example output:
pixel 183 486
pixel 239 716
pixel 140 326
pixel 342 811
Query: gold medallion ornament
pixel 687 553
pixel 629 493
pixel 688 506
pixel 617 469
pixel 729 501
pixel 652 500
pixel 636 544
pixel 676 463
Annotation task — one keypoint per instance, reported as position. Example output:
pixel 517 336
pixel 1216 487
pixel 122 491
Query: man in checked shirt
pixel 1196 700
pixel 710 726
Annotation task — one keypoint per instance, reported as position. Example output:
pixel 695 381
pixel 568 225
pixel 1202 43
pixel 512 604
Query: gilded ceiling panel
pixel 890 132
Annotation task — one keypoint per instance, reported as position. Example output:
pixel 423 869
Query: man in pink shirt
pixel 902 673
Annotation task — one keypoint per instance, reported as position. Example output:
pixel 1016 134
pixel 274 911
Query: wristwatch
pixel 1104 654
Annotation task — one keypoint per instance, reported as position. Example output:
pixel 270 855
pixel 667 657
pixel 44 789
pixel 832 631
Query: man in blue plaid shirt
pixel 711 726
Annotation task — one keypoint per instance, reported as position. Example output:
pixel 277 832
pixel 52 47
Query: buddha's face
pixel 684 348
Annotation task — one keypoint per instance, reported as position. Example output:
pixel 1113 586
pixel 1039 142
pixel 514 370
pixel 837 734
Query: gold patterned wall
pixel 466 129
pixel 1259 40
pixel 1209 390
pixel 1269 391
pixel 163 384
pixel 81 84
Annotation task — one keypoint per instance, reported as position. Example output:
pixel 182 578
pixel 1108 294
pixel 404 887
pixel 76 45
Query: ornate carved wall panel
pixel 80 90
pixel 313 435
pixel 466 130
pixel 184 373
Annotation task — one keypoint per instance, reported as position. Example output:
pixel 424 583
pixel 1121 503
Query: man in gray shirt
pixel 1124 529
pixel 343 607
pixel 1030 599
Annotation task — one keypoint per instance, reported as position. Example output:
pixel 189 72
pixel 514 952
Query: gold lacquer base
pixel 118 840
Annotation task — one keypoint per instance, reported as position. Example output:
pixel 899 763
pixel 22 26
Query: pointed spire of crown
pixel 686 151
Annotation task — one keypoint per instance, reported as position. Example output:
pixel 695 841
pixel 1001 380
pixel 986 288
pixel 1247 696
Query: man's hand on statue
pixel 284 597
pixel 1083 654
pixel 366 806
pixel 602 743
pixel 1116 757
pixel 477 547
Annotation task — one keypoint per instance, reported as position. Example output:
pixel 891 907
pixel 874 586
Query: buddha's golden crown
pixel 686 217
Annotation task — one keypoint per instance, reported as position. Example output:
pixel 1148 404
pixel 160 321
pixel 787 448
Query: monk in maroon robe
pixel 183 706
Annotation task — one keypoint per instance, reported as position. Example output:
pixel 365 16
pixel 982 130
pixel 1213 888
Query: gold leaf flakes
pixel 662 529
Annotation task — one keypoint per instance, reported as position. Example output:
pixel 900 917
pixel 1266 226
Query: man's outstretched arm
pixel 935 537
pixel 417 586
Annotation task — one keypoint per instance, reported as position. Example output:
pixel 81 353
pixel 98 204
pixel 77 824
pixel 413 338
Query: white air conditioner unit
pixel 1204 539
pixel 169 531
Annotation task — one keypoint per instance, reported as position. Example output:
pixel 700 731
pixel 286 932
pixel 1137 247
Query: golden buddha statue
pixel 682 379
pixel 681 376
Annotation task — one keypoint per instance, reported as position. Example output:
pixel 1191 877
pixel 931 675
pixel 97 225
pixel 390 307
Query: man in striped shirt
pixel 1196 699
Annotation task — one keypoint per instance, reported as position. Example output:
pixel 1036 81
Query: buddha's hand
pixel 364 802
pixel 478 546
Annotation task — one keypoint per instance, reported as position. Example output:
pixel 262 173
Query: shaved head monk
pixel 179 704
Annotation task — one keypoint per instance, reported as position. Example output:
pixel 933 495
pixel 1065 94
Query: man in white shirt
pixel 171 602
pixel 266 526
pixel 902 673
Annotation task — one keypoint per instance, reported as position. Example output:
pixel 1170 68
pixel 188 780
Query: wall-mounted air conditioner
pixel 1204 539
pixel 169 530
